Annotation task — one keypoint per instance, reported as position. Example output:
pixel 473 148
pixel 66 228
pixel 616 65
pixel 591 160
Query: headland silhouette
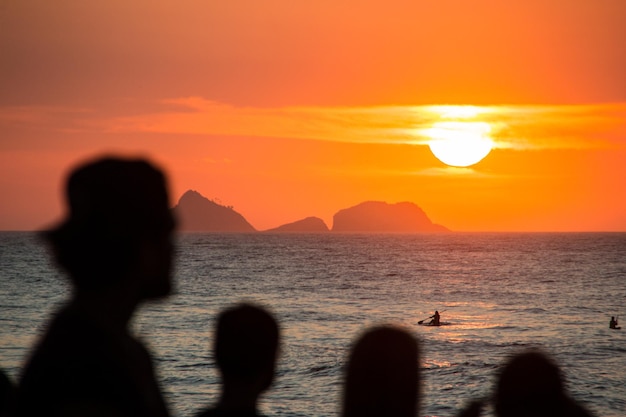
pixel 307 225
pixel 377 216
pixel 197 213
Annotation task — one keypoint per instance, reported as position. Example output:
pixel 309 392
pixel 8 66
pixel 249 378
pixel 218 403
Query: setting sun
pixel 460 144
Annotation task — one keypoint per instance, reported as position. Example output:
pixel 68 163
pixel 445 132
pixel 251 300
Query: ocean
pixel 502 292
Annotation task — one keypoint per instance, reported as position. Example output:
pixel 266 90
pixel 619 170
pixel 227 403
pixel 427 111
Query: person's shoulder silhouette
pixel 116 247
pixel 246 344
pixel 531 384
pixel 382 377
pixel 7 395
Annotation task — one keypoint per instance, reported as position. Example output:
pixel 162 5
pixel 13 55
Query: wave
pixel 324 370
pixel 534 310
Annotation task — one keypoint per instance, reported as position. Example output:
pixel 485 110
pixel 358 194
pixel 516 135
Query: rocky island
pixel 308 225
pixel 381 217
pixel 196 213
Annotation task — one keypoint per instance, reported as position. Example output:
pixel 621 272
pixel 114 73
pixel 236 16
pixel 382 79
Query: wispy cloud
pixel 559 126
pixel 341 124
pixel 57 118
pixel 452 171
pixel 512 127
pixel 519 127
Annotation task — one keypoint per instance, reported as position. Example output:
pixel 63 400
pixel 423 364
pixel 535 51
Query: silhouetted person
pixel 116 248
pixel 531 384
pixel 435 319
pixel 245 350
pixel 7 395
pixel 382 377
pixel 613 323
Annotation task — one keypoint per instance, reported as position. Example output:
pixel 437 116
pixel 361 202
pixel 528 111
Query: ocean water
pixel 501 292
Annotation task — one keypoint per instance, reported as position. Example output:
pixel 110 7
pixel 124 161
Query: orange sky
pixel 287 109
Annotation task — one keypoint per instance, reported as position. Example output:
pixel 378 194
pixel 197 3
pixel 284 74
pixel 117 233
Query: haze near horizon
pixel 286 110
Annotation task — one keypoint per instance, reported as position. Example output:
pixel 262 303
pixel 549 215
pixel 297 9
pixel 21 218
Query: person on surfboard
pixel 435 319
pixel 613 323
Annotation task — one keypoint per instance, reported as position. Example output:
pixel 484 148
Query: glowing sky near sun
pixel 289 109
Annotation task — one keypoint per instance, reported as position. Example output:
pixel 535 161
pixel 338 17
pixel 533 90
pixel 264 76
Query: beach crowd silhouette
pixel 116 247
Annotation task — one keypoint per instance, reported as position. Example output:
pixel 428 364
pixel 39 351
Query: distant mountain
pixel 196 213
pixel 377 216
pixel 310 224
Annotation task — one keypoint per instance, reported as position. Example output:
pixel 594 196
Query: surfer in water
pixel 613 323
pixel 435 319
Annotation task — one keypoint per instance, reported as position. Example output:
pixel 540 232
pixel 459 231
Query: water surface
pixel 502 292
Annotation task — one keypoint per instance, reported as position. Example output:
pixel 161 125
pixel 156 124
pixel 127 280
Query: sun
pixel 460 144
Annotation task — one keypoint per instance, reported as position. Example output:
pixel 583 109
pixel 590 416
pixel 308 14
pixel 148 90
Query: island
pixel 196 213
pixel 381 217
pixel 307 225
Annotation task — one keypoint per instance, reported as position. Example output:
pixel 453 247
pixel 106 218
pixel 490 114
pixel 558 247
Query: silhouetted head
pixel 118 226
pixel 383 375
pixel 530 384
pixel 246 345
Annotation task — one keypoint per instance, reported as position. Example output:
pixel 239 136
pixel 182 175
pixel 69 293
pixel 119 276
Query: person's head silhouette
pixel 116 246
pixel 245 347
pixel 382 376
pixel 531 384
pixel 118 228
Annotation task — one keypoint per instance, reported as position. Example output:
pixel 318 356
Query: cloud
pixel 453 171
pixel 514 127
pixel 60 118
pixel 559 126
pixel 341 124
